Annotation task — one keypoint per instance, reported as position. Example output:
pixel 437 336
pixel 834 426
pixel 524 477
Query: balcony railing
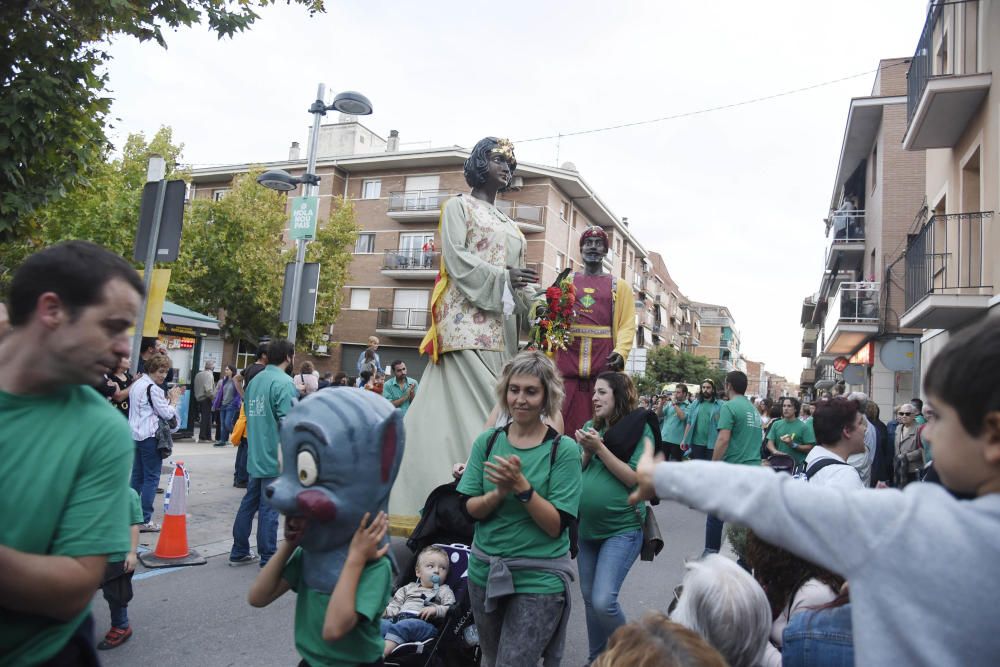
pixel 407 259
pixel 417 200
pixel 946 257
pixel 854 303
pixel 404 319
pixel 528 214
pixel 846 227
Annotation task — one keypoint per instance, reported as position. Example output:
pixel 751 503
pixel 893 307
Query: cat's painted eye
pixel 308 468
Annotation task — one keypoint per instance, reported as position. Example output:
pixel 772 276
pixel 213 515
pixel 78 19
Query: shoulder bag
pixel 164 439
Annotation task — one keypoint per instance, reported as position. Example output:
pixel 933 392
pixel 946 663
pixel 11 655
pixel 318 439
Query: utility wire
pixel 720 107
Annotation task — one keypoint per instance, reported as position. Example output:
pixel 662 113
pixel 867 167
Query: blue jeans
pixel 713 533
pixel 146 474
pixel 821 638
pixel 240 474
pixel 407 630
pixel 603 565
pixel 227 417
pixel 255 503
pixel 119 615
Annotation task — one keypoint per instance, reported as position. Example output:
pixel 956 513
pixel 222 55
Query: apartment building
pixel 719 340
pixel 397 195
pixel 853 332
pixel 952 256
pixel 757 378
pixel 674 323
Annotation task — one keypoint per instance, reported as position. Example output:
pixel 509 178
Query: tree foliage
pixel 53 101
pixel 232 252
pixel 665 365
pixel 105 210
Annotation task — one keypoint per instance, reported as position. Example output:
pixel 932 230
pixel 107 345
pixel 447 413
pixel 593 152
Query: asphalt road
pixel 199 615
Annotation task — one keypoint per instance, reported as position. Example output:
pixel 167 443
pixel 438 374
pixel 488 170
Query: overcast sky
pixel 733 199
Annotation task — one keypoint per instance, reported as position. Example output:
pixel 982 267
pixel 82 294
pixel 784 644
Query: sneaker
pixel 149 527
pixel 240 485
pixel 243 560
pixel 220 443
pixel 159 490
pixel 115 638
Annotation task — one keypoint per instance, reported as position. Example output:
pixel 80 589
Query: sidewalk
pixel 212 501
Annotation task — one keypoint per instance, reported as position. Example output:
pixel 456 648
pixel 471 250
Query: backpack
pixel 819 465
pixel 570 522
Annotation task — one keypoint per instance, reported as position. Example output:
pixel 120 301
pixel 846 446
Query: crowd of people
pixel 832 566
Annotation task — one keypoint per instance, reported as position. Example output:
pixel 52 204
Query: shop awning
pixel 179 316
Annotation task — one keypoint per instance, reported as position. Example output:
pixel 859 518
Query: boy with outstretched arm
pixel 915 559
pixel 341 628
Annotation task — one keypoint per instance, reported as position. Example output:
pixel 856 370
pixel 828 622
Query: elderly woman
pixel 147 404
pixel 523 488
pixel 482 286
pixel 720 601
pixel 656 640
pixel 610 528
pixel 908 452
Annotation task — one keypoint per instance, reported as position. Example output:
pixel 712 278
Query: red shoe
pixel 115 638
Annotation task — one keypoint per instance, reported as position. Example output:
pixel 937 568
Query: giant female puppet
pixel 602 331
pixel 480 292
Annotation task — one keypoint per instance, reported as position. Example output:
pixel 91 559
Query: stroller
pixel 444 523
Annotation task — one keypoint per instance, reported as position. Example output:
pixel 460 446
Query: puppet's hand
pixel 616 362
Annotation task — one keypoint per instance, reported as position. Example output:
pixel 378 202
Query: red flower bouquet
pixel 550 330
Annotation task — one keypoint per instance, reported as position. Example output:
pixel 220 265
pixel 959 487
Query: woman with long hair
pixel 791 584
pixel 228 401
pixel 610 528
pixel 523 488
pixel 306 381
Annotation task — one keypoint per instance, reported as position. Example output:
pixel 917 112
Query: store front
pixel 191 339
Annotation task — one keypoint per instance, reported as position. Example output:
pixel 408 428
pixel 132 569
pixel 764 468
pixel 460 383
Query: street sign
pixel 840 363
pixel 302 224
pixel 307 293
pixel 168 241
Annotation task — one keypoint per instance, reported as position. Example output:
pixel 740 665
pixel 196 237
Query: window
pixel 219 194
pixel 414 241
pixel 563 210
pixel 409 309
pixel 560 261
pixel 245 354
pixel 874 167
pixel 371 188
pixel 574 219
pixel 360 298
pixel 365 244
pixel 422 183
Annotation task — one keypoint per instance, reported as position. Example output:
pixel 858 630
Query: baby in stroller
pixel 407 617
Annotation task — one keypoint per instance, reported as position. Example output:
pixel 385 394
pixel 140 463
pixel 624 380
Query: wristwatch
pixel 525 496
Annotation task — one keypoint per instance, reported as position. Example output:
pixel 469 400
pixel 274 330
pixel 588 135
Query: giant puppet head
pixel 340 452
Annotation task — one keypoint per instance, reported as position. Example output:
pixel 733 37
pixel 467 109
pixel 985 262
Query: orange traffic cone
pixel 172 546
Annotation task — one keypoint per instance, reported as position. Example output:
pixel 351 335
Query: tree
pixel 53 106
pixel 105 210
pixel 233 260
pixel 665 365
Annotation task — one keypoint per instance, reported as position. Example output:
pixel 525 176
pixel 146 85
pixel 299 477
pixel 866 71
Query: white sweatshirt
pixel 924 568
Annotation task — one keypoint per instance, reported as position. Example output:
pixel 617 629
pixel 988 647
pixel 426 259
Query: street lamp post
pixel 347 102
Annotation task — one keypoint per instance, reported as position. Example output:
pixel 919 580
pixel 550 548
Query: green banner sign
pixel 302 224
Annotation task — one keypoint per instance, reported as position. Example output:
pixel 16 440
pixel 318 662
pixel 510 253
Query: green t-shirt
pixel 703 425
pixel 510 532
pixel 362 644
pixel 67 457
pixel 135 518
pixel 801 432
pixel 742 420
pixel 604 507
pixel 268 399
pixel 673 426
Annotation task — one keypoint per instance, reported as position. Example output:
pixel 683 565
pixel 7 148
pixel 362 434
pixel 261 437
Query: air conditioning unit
pixel 516 183
pixel 320 349
pixel 325 337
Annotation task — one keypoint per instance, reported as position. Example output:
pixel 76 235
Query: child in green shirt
pixel 340 628
pixel 117 584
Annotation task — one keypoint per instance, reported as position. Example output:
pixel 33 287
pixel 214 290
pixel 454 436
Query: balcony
pixel 947 280
pixel 403 322
pixel 809 337
pixel 408 264
pixel 658 328
pixel 851 318
pixel 417 205
pixel 529 218
pixel 846 231
pixel 808 376
pixel 944 85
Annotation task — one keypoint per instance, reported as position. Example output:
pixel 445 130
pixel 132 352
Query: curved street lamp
pixel 348 102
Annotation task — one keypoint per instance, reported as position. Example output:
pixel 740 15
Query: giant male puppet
pixel 602 331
